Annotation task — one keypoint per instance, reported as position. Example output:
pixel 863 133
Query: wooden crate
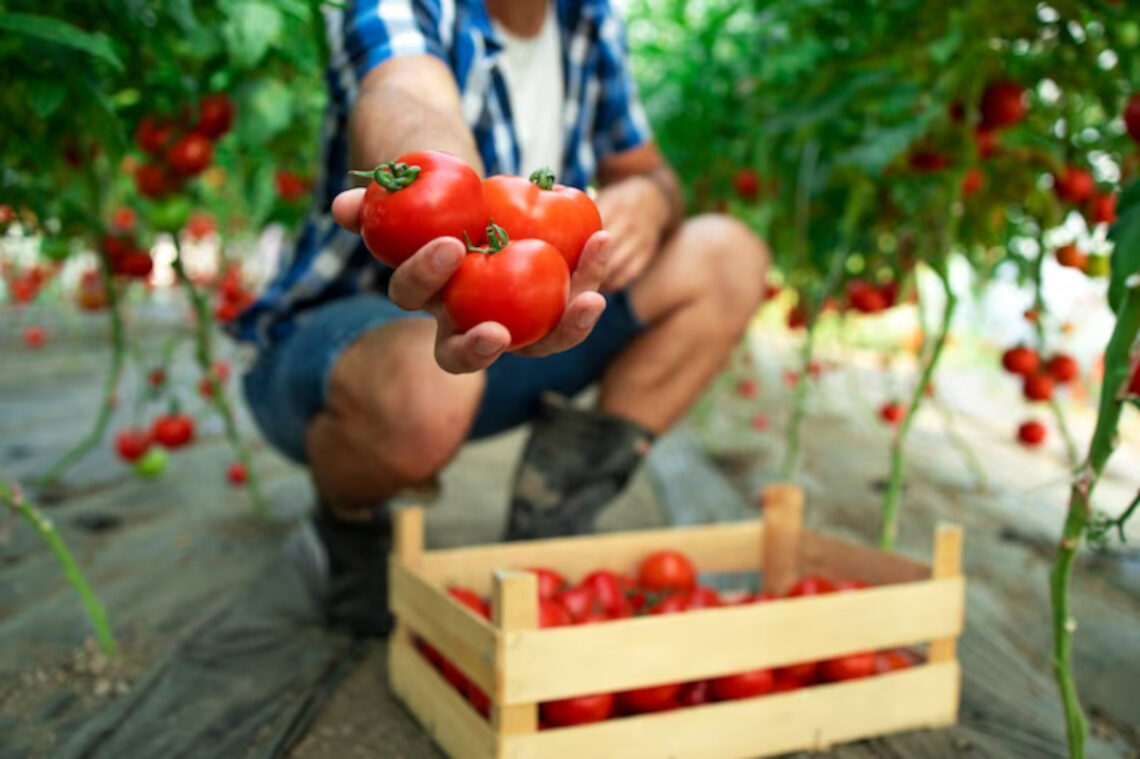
pixel 521 666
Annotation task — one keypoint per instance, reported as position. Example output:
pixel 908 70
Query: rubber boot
pixel 575 462
pixel 356 595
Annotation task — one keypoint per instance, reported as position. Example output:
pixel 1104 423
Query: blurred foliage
pixel 831 105
pixel 81 74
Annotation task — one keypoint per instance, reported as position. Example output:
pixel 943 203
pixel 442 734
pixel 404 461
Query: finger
pixel 475 349
pixel 416 281
pixel 579 318
pixel 346 209
pixel 629 269
pixel 593 264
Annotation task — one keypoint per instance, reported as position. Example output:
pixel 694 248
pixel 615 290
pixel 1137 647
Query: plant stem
pixel 799 407
pixel 110 387
pixel 962 446
pixel 1116 373
pixel 891 499
pixel 14 498
pixel 203 352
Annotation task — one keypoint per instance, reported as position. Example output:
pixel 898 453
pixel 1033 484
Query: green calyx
pixel 543 178
pixel 392 176
pixel 497 239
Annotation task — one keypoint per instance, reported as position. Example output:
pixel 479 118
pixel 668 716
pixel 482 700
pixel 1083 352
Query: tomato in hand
pixel 417 198
pixel 848 667
pixel 580 710
pixel 656 698
pixel 550 582
pixel 539 209
pixel 173 431
pixel 667 570
pixel 190 155
pixel 132 443
pixel 523 285
pixel 743 685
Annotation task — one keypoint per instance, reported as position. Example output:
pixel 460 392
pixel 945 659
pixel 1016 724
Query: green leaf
pixel 59 32
pixel 1125 235
pixel 883 146
pixel 270 111
pixel 250 30
pixel 46 96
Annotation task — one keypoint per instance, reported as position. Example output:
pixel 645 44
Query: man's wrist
pixel 662 184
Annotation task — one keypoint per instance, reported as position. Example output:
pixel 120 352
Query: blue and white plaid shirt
pixel 601 115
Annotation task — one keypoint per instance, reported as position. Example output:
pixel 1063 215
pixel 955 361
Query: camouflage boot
pixel 573 465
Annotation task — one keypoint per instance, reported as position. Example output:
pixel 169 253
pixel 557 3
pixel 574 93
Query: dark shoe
pixel 575 462
pixel 346 567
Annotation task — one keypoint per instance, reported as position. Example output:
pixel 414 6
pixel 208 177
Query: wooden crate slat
pixel 464 639
pixel 729 547
pixel 813 718
pixel 568 661
pixel 841 559
pixel 443 713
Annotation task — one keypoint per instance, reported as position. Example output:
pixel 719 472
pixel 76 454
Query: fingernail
pixel 586 319
pixel 443 257
pixel 485 347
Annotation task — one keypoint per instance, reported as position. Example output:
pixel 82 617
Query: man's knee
pixel 734 262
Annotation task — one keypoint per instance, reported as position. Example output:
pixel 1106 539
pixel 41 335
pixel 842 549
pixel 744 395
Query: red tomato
pixel 892 412
pixel 744 685
pixel 477 698
pixel 667 570
pixel 92 296
pixel 1074 185
pixel 656 698
pixel 190 155
pixel 522 285
pixel 539 209
pixel 236 473
pixel 760 422
pixel 804 672
pixel 986 141
pixel 1003 105
pixel 797 317
pixel 151 181
pixel 606 588
pixel 35 336
pixel 811 585
pixel 849 585
pixel 417 198
pixel 1132 118
pixel 1031 433
pixel 123 219
pixel 157 377
pixel 471 600
pixel 215 115
pixel 580 710
pixel 550 582
pixel 929 161
pixel 672 604
pixel 200 226
pixel 892 660
pixel 702 598
pixel 696 693
pixel 848 667
pixel 972 182
pixel 746 184
pixel 132 443
pixel 290 186
pixel 136 264
pixel 1134 386
pixel 1038 387
pixel 1071 256
pixel 552 614
pixel 747 388
pixel 1063 368
pixel 153 134
pixel 173 431
pixel 756 598
pixel 1101 208
pixel 865 297
pixel 1020 360
pixel 782 683
pixel 579 601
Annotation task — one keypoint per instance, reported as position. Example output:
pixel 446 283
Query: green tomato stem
pixel 543 178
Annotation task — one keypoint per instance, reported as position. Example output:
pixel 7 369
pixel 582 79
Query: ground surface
pixel 180 547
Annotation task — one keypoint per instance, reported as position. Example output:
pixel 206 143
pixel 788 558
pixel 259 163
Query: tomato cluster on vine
pixel 181 148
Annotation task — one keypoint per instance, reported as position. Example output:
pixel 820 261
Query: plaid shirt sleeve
pixel 621 123
pixel 375 31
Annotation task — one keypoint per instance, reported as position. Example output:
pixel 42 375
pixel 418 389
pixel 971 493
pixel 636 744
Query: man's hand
pixel 635 212
pixel 416 285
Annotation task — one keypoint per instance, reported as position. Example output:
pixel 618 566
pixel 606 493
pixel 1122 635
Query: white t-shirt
pixel 532 67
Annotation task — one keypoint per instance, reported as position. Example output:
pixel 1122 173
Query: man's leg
pixel 697 299
pixel 695 302
pixel 393 419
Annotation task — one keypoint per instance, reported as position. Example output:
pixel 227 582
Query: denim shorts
pixel 288 383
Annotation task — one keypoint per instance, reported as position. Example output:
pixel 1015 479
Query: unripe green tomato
pixel 169 215
pixel 1098 266
pixel 1129 33
pixel 55 249
pixel 152 464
